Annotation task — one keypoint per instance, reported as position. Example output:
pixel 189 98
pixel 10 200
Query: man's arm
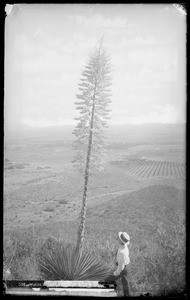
pixel 121 264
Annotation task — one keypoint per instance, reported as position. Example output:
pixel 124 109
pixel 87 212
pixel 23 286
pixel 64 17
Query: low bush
pixel 49 209
pixel 43 167
pixel 19 166
pixel 9 167
pixel 7 160
pixel 19 256
pixel 63 202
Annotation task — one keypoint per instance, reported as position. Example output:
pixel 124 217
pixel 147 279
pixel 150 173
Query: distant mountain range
pixel 115 133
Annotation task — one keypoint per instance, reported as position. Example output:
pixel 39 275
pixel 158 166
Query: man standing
pixel 123 260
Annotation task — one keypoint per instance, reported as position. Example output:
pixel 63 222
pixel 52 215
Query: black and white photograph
pixel 94 176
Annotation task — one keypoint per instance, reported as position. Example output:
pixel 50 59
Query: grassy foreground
pixel 153 216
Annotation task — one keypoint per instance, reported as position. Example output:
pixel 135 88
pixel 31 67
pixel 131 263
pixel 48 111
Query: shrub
pixel 43 167
pixel 19 256
pixel 49 209
pixel 63 202
pixel 20 166
pixel 64 263
pixel 10 167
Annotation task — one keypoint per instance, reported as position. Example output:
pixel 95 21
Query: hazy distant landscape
pixel 142 186
pixel 40 183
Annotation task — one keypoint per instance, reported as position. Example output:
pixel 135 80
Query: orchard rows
pixel 150 168
pixel 178 182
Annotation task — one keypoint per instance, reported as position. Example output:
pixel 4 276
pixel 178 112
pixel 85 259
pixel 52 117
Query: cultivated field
pixel 149 168
pixel 141 190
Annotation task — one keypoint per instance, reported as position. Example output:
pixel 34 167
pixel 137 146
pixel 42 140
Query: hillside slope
pixel 154 217
pixel 145 208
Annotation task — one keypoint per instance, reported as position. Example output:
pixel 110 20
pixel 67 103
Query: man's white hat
pixel 124 237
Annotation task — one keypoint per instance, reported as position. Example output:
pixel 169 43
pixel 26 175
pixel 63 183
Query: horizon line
pixel 72 124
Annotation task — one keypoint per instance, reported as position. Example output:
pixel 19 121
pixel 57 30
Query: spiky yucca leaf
pixel 66 264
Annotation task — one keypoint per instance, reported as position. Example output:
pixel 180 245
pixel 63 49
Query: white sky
pixel 47 46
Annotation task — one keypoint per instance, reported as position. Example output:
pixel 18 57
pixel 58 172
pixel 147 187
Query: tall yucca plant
pixel 94 98
pixel 67 264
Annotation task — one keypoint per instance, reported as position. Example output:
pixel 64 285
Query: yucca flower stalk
pixel 90 143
